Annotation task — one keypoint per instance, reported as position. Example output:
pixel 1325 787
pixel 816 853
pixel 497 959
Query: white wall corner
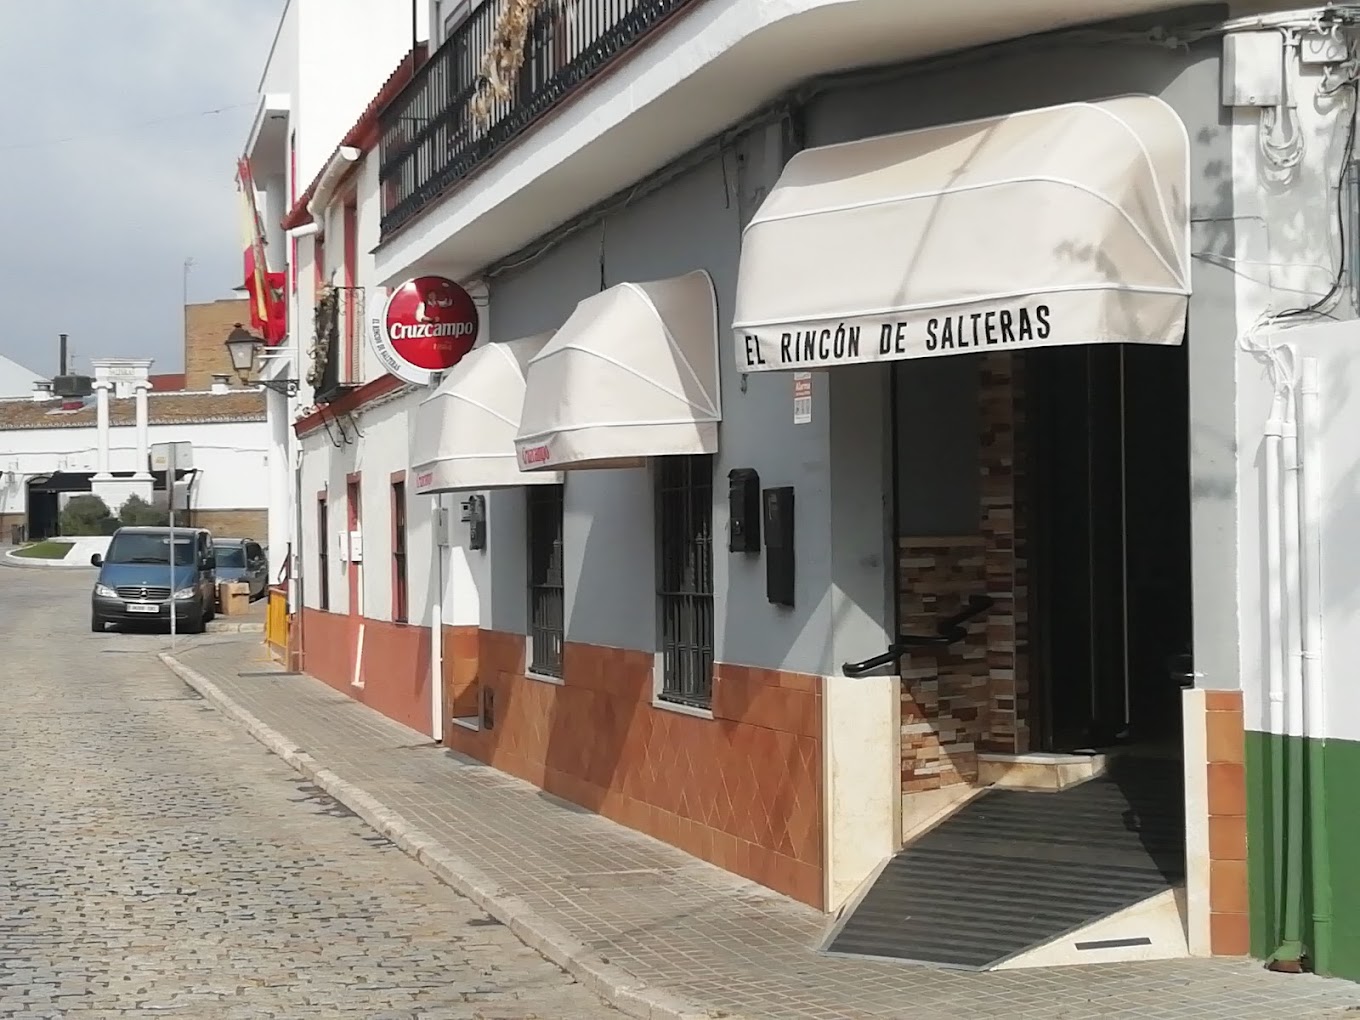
pixel 861 768
pixel 1196 746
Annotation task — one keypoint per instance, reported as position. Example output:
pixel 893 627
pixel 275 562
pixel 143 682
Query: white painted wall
pixel 15 380
pixel 230 455
pixel 346 50
pixel 383 449
pixel 1337 348
pixel 1286 256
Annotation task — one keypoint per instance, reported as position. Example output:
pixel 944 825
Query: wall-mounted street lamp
pixel 244 347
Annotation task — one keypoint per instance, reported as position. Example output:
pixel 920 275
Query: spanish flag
pixel 253 234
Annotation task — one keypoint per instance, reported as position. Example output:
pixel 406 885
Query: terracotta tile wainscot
pixel 742 790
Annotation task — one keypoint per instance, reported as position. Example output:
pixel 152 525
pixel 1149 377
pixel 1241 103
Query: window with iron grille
pixel 323 558
pixel 545 578
pixel 684 505
pixel 400 603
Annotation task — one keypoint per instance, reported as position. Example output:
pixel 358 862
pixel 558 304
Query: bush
pixel 86 515
pixel 138 513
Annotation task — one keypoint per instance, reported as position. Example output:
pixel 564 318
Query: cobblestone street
pixel 156 861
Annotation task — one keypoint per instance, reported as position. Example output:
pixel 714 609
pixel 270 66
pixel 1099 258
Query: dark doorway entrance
pixel 1109 524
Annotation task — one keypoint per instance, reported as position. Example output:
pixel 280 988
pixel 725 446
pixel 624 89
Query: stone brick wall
pixel 206 329
pixel 234 524
pixel 7 521
pixel 972 696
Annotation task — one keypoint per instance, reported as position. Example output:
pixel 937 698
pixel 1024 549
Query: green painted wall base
pixel 1341 768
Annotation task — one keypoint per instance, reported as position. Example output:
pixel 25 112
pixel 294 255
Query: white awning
pixel 463 434
pixel 1066 225
pixel 633 373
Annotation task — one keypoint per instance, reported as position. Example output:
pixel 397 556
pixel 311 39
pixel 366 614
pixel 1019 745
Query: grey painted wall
pixel 694 222
pixel 839 464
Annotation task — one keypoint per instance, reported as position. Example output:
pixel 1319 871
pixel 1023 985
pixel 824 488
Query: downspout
pixel 1315 694
pixel 437 625
pixel 1273 582
pixel 1289 956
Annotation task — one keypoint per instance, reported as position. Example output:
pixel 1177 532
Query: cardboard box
pixel 233 598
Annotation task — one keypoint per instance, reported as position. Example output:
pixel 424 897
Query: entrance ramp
pixel 1014 870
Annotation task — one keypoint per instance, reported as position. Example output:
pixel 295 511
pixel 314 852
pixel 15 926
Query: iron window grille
pixel 546 630
pixel 323 557
pixel 684 501
pixel 400 600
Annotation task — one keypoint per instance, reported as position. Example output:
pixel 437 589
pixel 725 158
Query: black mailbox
pixel 474 514
pixel 779 573
pixel 743 501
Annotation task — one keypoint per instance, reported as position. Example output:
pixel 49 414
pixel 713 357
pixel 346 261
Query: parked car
pixel 243 559
pixel 137 583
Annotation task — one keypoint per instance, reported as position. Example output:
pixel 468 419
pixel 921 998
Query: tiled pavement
pixel 679 926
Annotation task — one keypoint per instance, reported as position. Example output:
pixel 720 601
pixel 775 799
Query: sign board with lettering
pixel 850 342
pixel 802 398
pixel 427 326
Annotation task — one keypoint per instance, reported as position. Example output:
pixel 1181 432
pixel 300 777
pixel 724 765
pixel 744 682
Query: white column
pixel 280 481
pixel 143 430
pixel 101 405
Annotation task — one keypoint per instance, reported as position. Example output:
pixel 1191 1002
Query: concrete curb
pixel 31 563
pixel 617 986
pixel 235 627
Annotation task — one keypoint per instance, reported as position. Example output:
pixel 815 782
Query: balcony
pixel 327 372
pixel 464 106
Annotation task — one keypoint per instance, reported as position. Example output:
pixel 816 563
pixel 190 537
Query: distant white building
pixel 15 380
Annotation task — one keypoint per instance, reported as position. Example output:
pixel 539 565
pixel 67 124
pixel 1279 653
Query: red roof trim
pixel 366 130
pixel 355 400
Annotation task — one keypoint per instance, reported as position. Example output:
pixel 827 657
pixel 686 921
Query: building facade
pixel 53 446
pixel 776 362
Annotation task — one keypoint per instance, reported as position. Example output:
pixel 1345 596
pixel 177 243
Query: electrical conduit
pixel 1315 696
pixel 1289 955
pixel 1274 645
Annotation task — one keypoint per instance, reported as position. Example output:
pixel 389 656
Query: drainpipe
pixel 1315 694
pixel 1289 956
pixel 1273 583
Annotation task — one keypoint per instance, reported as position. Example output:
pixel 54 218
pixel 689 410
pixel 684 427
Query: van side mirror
pixel 96 560
pixel 209 562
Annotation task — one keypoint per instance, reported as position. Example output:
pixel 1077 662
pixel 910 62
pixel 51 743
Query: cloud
pixel 112 174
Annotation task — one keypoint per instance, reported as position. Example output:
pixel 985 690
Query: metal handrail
pixel 948 631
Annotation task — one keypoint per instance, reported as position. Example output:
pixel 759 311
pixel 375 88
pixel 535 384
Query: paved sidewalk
pixel 655 931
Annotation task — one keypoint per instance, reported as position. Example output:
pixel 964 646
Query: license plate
pixel 134 607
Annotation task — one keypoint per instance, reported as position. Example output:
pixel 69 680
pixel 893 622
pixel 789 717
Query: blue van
pixel 136 582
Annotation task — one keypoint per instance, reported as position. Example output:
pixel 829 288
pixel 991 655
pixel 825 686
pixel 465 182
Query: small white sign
pixel 172 456
pixel 356 546
pixel 802 398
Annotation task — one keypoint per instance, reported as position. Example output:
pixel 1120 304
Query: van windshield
pixel 149 548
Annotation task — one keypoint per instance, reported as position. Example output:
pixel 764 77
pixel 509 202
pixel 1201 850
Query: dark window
pixel 684 503
pixel 323 557
pixel 399 595
pixel 231 556
pixel 545 578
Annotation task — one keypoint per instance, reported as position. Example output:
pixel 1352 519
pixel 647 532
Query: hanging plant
pixel 504 57
pixel 327 318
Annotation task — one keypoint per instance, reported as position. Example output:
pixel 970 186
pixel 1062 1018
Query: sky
pixel 112 172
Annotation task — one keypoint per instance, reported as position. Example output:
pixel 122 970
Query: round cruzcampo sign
pixel 427 325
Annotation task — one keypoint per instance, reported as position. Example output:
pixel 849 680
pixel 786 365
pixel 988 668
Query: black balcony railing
pixel 461 108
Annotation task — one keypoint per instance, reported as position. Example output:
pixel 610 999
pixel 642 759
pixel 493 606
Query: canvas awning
pixel 633 373
pixel 1066 225
pixel 463 434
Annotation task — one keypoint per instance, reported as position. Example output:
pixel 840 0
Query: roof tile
pixel 163 409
